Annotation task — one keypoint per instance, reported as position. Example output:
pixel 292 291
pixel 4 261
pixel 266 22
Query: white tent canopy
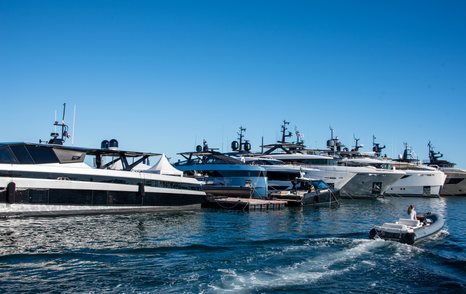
pixel 163 167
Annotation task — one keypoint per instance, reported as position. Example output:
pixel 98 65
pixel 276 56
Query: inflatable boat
pixel 409 231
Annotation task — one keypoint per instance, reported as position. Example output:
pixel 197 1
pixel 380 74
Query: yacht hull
pixel 369 185
pixel 42 201
pixel 28 189
pixel 418 183
pixel 455 184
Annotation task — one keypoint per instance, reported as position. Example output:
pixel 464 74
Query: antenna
pixel 240 146
pixel 64 130
pixel 74 124
pixel 376 147
pixel 55 121
pixel 284 129
pixel 64 111
pixel 240 137
pixel 356 143
pixel 331 144
pixel 334 143
pixel 262 145
pixel 299 136
pixel 433 156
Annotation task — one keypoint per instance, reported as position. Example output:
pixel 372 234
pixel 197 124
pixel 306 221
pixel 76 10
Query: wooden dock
pixel 245 204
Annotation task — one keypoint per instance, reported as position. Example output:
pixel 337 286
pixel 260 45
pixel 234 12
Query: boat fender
pixel 10 192
pixel 141 190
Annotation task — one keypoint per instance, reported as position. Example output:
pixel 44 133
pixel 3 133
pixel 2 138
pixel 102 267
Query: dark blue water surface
pixel 304 250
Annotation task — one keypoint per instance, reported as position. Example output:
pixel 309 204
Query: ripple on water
pixel 297 250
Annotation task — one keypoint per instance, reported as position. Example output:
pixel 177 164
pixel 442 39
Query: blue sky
pixel 163 75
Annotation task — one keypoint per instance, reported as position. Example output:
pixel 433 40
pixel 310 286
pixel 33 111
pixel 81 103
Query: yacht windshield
pixel 311 161
pixel 266 162
pixel 320 184
pixel 209 159
pixel 6 156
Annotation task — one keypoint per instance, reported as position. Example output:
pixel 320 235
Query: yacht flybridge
pixel 53 179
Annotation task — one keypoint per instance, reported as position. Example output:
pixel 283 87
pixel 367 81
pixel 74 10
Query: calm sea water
pixel 209 251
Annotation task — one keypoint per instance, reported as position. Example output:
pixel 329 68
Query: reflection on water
pixel 51 235
pixel 292 250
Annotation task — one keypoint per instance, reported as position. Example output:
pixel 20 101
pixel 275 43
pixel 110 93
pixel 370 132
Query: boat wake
pixel 355 253
pixel 440 235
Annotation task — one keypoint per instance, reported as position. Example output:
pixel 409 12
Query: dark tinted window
pixel 5 155
pixel 282 176
pixel 42 154
pixel 453 181
pixel 313 161
pixel 234 173
pixel 22 154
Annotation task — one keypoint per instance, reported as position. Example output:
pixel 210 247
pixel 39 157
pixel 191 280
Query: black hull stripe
pixel 99 179
pixel 100 198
